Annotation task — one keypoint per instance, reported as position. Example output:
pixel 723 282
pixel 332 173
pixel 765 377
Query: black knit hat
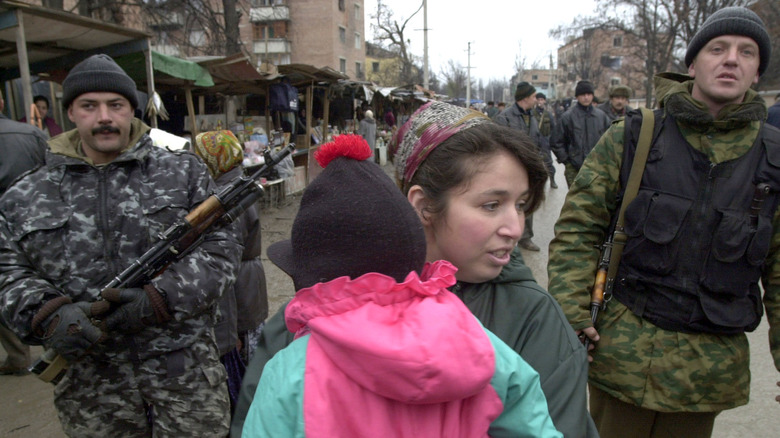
pixel 541 96
pixel 584 87
pixel 733 20
pixel 523 90
pixel 98 73
pixel 353 220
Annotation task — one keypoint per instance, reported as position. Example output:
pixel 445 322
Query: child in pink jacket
pixel 382 347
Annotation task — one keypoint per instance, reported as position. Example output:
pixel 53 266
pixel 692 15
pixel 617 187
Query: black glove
pixel 66 328
pixel 138 309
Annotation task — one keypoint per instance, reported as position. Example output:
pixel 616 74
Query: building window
pixel 357 40
pixel 358 16
pixel 534 77
pixel 197 38
pixel 617 41
pixel 341 5
pixel 375 67
pixel 343 35
pixel 614 81
pixel 343 65
pixel 359 70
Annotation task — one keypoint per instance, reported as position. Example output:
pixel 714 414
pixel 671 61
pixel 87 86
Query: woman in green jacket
pixel 461 172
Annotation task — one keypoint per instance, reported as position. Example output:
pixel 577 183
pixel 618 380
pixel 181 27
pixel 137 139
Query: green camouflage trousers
pixel 185 391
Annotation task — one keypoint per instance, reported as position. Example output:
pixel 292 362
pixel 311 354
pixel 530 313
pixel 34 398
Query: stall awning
pixel 168 70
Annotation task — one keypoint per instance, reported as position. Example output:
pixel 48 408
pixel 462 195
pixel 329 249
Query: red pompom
pixel 347 145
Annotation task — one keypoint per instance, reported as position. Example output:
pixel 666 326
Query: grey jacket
pixel 513 118
pixel 580 128
pixel 367 129
pixel 22 146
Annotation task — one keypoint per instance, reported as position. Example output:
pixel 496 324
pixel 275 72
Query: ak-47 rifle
pixel 219 209
pixel 612 248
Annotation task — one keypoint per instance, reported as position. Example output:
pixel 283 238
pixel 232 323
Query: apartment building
pixel 317 32
pixel 604 57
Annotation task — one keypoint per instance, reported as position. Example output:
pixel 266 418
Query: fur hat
pixel 98 73
pixel 734 20
pixel 584 87
pixel 620 91
pixel 427 128
pixel 352 220
pixel 523 90
pixel 220 150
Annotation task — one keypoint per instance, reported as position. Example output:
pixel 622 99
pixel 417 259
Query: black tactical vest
pixel 695 253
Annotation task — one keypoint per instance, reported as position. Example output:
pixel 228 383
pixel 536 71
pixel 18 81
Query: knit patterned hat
pixel 427 128
pixel 734 20
pixel 523 90
pixel 98 73
pixel 352 220
pixel 220 150
pixel 584 87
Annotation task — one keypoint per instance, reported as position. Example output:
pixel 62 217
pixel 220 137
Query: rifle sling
pixel 632 188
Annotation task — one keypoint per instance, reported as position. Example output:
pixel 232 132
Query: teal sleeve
pixel 277 408
pixel 525 411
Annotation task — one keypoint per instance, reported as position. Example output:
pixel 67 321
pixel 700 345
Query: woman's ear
pixel 419 201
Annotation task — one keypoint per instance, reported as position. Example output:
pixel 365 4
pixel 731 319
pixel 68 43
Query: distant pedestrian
pixel 547 124
pixel 617 105
pixel 491 110
pixel 367 129
pixel 580 128
pixel 390 119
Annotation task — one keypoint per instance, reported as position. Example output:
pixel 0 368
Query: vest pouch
pixel 652 222
pixel 48 231
pixel 728 269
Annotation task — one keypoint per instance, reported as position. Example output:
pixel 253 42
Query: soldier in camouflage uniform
pixel 66 229
pixel 546 123
pixel 670 349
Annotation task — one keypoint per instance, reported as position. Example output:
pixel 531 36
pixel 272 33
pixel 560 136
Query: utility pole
pixel 550 81
pixel 425 44
pixel 468 78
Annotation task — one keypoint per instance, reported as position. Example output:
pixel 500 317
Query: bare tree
pixel 454 76
pixel 389 32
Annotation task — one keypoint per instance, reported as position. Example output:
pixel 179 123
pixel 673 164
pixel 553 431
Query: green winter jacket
pixel 517 310
pixel 636 361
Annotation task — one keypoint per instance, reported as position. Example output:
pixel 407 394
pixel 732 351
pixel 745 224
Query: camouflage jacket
pixel 69 227
pixel 635 361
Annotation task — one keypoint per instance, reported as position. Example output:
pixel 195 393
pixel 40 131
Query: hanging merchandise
pixel 283 96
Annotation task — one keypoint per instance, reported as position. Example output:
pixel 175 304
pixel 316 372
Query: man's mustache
pixel 105 130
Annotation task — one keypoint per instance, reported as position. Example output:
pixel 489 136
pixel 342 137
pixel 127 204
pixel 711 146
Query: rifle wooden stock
pixel 224 207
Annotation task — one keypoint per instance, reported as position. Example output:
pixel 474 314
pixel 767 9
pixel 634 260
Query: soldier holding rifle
pixel 701 234
pixel 101 200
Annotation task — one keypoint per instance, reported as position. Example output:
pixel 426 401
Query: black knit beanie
pixel 98 73
pixel 353 220
pixel 733 20
pixel 541 96
pixel 523 90
pixel 584 87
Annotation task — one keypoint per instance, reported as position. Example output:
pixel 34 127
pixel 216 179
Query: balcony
pixel 266 14
pixel 272 46
pixel 167 21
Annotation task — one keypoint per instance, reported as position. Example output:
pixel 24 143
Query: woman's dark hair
pixel 459 157
pixel 43 98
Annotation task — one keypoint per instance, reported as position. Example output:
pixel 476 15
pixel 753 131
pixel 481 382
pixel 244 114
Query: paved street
pixel 26 408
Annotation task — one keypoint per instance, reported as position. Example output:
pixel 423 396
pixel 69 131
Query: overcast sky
pixel 497 30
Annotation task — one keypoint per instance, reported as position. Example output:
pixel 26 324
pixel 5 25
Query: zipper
pixel 108 244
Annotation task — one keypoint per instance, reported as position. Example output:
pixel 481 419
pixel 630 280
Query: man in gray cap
pixel 701 240
pixel 617 105
pixel 104 194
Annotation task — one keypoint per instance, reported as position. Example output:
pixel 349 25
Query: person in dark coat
pixel 617 105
